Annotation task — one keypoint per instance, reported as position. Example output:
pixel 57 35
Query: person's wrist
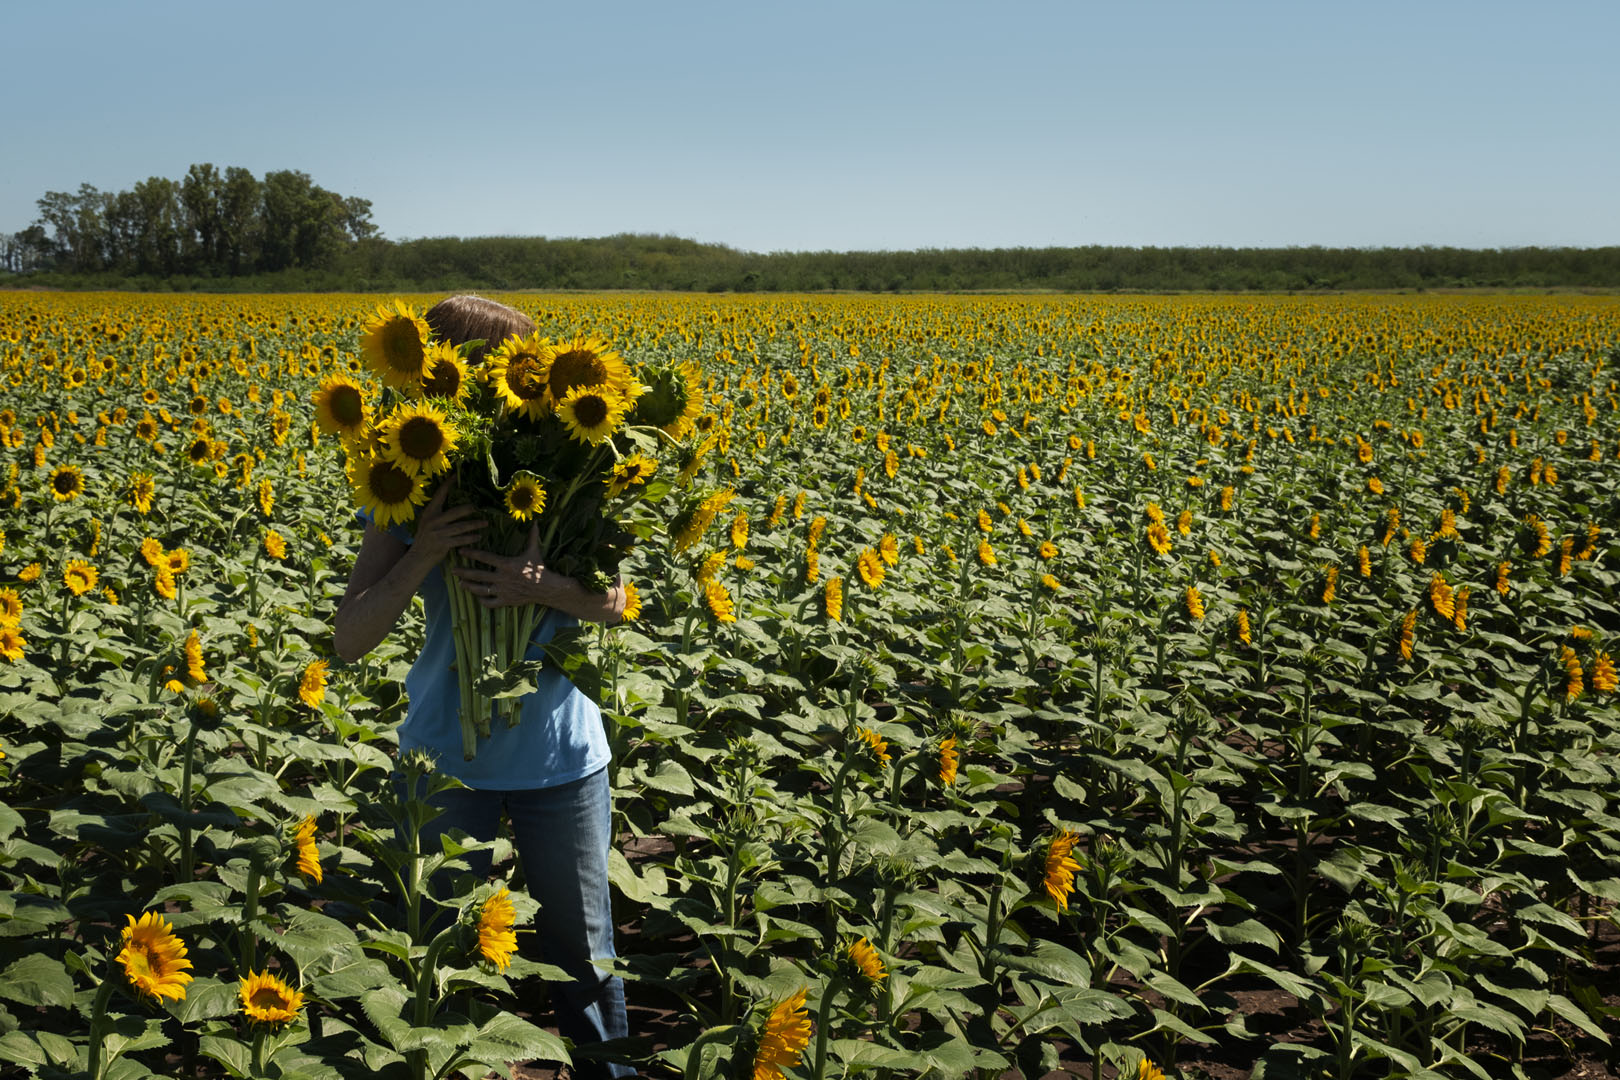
pixel 533 585
pixel 421 559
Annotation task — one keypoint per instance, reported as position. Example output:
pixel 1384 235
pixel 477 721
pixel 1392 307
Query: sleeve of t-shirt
pixel 397 530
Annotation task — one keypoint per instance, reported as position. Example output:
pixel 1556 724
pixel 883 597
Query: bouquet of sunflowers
pixel 560 434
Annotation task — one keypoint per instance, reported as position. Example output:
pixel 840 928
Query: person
pixel 548 773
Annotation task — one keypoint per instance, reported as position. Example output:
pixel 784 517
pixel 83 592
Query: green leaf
pixel 1047 959
pixel 206 999
pixel 508 1038
pixel 36 979
pixel 232 1053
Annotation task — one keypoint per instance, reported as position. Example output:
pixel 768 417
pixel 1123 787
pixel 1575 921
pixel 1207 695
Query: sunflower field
pixel 1042 683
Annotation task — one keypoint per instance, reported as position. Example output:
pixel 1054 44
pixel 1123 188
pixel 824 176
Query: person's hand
pixel 513 579
pixel 440 531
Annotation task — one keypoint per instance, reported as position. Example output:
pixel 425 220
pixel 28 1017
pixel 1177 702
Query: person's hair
pixel 460 319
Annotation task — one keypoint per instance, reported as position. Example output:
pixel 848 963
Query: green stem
pixel 823 1022
pixel 259 1037
pixel 247 943
pixel 425 981
pixel 186 767
pixel 728 999
pixel 98 1027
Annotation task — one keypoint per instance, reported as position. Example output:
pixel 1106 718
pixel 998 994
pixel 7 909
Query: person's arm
pixel 387 573
pixel 523 579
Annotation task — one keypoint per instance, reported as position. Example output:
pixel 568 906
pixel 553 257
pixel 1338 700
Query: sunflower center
pixel 348 408
pixel 576 367
pixel 523 498
pixel 142 961
pixel 268 997
pixel 420 438
pixel 402 345
pixel 522 378
pixel 591 410
pixel 389 483
pixel 444 382
pixel 65 483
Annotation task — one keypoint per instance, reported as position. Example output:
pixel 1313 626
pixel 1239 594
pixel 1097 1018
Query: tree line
pixel 209 224
pixel 229 230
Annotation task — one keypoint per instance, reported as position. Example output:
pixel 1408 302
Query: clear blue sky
pixel 774 126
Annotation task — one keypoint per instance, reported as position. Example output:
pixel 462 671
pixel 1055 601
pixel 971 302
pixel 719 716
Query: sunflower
pixel 1604 678
pixel 30 573
pixel 340 406
pixel 385 490
pixel 1059 868
pixel 688 526
pixel 163 581
pixel 525 498
pixel 393 343
pixel 673 398
pixel 12 643
pixel 586 364
pixel 199 450
pixel 152 551
pixel 1574 682
pixel 266 999
pixel 628 471
pixel 1195 603
pixel 1330 584
pixel 632 603
pixel 79 577
pixel 1442 598
pixel 987 554
pixel 889 548
pixel 153 958
pixel 10 607
pixel 783 1039
pixel 1047 551
pixel 948 760
pixel 312 684
pixel 876 744
pixel 179 560
pixel 711 564
pixel 274 545
pixel 67 483
pixel 446 373
pixel 1534 539
pixel 497 941
pixel 719 601
pixel 418 437
pixel 309 856
pixel 833 599
pixel 1243 631
pixel 142 489
pixel 516 371
pixel 1146 1070
pixel 591 413
pixel 870 567
pixel 1408 629
pixel 866 959
pixel 195 671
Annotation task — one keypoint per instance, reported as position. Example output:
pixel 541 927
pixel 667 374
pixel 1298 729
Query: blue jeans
pixel 562 835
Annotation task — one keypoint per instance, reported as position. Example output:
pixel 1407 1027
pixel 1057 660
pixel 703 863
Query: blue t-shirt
pixel 559 736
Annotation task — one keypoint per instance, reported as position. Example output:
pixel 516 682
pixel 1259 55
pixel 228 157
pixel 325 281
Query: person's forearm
pixel 570 597
pixel 366 617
